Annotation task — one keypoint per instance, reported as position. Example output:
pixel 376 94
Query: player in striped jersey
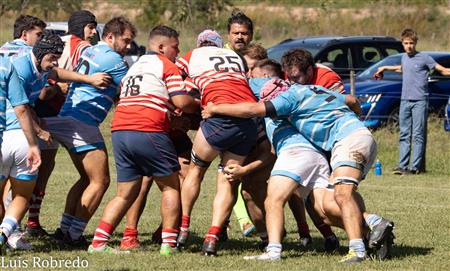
pixel 77 128
pixel 220 76
pixel 82 27
pixel 326 119
pixel 152 89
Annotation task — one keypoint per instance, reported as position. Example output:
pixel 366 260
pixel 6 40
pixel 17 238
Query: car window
pixel 392 51
pixel 276 53
pixel 369 56
pixel 336 57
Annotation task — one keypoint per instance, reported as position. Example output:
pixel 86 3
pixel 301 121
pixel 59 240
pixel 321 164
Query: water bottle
pixel 377 168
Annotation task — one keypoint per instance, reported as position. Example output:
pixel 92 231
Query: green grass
pixel 419 205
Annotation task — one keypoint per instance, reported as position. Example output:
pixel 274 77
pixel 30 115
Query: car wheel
pixel 392 120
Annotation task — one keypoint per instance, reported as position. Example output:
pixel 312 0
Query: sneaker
pixel 157 236
pixel 16 241
pixel 58 235
pixel 167 250
pixel 399 171
pixel 385 249
pixel 209 246
pixel 36 231
pixel 248 229
pixel 129 243
pixel 413 171
pixel 305 241
pixel 106 250
pixel 3 241
pixel 380 232
pixel 223 235
pixel 351 257
pixel 183 236
pixel 80 243
pixel 266 256
pixel 331 244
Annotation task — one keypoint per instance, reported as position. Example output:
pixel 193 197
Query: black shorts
pixel 235 135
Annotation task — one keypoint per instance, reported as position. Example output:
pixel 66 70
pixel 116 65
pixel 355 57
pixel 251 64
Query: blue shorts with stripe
pixel 235 135
pixel 140 154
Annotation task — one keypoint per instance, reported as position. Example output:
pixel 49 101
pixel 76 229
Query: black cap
pixel 48 43
pixel 78 20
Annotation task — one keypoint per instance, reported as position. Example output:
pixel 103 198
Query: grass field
pixel 419 205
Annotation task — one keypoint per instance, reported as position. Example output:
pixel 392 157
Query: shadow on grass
pixel 402 251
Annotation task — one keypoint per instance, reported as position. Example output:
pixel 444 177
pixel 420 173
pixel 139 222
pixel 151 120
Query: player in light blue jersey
pixel 11 91
pixel 326 119
pixel 77 128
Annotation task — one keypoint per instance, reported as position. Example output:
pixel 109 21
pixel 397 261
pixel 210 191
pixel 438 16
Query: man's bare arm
pixel 239 110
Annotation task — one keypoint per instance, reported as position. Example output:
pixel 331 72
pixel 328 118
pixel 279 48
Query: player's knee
pixel 198 161
pixel 246 195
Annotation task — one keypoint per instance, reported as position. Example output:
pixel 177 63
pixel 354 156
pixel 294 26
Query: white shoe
pixel 267 256
pixel 16 241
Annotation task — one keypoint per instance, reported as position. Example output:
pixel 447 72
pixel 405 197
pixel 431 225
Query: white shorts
pixel 357 150
pixel 306 166
pixel 75 135
pixel 14 156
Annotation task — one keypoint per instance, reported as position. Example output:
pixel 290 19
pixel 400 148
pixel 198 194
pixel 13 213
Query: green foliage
pixel 43 8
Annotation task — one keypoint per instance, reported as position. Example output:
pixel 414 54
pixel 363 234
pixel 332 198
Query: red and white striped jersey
pixel 145 94
pixel 73 47
pixel 218 73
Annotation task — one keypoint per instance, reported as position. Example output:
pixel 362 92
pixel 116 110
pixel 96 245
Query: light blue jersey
pixel 85 102
pixel 319 114
pixel 32 81
pixel 11 91
pixel 283 135
pixel 15 49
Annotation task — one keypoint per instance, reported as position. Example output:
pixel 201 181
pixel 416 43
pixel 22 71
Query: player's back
pixel 319 114
pixel 85 102
pixel 14 49
pixel 73 48
pixel 144 103
pixel 219 74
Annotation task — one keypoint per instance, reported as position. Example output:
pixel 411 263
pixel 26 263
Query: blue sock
pixel 77 228
pixel 372 220
pixel 274 247
pixel 9 224
pixel 357 245
pixel 66 221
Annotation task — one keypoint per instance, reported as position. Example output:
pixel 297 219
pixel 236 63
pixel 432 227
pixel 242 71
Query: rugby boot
pixel 210 246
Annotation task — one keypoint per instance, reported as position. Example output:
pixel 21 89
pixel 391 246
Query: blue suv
pixel 380 99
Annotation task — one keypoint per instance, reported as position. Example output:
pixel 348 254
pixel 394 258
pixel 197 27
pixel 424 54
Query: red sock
pixel 35 208
pixel 102 234
pixel 213 232
pixel 303 230
pixel 130 233
pixel 169 236
pixel 325 230
pixel 185 221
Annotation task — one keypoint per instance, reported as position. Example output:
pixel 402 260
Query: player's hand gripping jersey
pixel 144 103
pixel 218 73
pixel 319 114
pixel 85 102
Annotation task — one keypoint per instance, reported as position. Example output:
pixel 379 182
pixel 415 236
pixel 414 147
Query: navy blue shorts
pixel 140 154
pixel 235 135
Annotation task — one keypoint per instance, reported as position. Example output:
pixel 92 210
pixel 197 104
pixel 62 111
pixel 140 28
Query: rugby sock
pixel 77 228
pixel 357 245
pixel 9 224
pixel 372 220
pixel 66 221
pixel 274 248
pixel 185 221
pixel 130 233
pixel 240 210
pixel 303 230
pixel 34 209
pixel 169 236
pixel 102 234
pixel 213 232
pixel 325 230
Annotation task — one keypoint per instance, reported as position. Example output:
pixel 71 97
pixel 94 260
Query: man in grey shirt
pixel 416 67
